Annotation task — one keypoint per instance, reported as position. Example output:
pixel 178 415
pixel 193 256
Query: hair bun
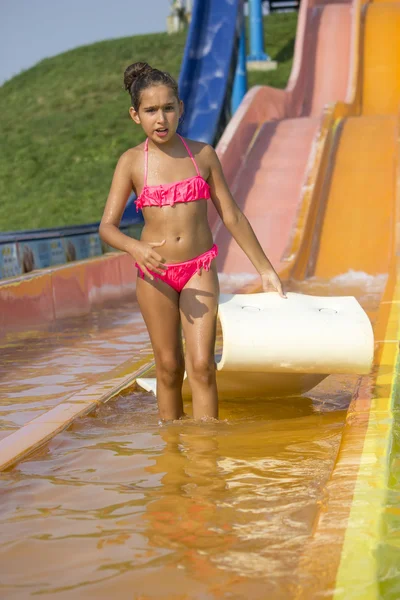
pixel 134 71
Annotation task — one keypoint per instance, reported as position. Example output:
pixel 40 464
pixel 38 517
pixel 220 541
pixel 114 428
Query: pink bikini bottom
pixel 178 274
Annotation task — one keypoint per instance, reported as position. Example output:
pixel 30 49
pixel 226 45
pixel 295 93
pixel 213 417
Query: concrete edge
pixel 33 435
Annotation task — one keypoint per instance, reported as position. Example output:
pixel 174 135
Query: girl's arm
pixel 238 225
pixel 121 188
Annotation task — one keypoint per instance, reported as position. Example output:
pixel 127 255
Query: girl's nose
pixel 161 117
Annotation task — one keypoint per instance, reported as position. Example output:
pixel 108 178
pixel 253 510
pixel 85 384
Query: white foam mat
pixel 275 346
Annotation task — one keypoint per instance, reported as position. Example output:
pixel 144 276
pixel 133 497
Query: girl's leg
pixel 199 307
pixel 159 304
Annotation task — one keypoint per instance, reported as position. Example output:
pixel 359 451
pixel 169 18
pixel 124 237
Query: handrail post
pixel 257 51
pixel 240 82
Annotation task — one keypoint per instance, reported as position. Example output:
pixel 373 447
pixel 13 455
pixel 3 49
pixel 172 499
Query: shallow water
pixel 40 372
pixel 119 506
pixel 119 503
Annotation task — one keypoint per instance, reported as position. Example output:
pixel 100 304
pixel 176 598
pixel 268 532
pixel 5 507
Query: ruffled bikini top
pixel 168 194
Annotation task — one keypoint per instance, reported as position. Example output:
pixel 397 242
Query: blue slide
pixel 208 66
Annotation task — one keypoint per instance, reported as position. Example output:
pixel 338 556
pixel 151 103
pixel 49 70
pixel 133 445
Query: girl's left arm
pixel 238 225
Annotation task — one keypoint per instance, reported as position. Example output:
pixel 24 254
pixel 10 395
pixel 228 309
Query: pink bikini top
pixel 168 194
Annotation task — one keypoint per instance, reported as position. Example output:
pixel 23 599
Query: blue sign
pixel 79 247
pixel 34 254
pixel 39 254
pixel 57 252
pixel 9 263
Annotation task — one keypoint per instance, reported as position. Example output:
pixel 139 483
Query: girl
pixel 177 282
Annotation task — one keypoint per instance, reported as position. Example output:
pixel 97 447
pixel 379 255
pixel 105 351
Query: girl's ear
pixel 134 115
pixel 181 108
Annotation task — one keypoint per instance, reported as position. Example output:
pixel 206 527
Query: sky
pixel 31 30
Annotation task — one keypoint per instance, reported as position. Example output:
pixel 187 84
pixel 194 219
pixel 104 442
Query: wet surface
pixel 39 372
pixel 119 506
pixel 121 501
pixel 388 550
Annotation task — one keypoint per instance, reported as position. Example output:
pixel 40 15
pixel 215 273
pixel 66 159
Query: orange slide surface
pixel 284 497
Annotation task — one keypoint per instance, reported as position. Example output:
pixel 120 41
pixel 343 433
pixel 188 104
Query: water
pixel 119 503
pixel 119 506
pixel 38 373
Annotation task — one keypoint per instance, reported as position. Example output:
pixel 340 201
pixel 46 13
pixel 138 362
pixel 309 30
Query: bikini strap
pixel 191 155
pixel 146 160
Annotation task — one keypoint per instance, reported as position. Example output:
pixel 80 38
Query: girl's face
pixel 158 113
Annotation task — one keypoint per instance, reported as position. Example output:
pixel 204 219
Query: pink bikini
pixel 188 190
pixel 168 194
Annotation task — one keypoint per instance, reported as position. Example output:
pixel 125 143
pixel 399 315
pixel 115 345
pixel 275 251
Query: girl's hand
pixel 271 283
pixel 147 258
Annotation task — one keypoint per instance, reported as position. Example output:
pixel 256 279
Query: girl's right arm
pixel 121 188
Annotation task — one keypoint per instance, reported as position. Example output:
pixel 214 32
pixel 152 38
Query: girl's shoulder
pixel 131 163
pixel 200 149
pixel 195 146
pixel 134 152
pixel 132 156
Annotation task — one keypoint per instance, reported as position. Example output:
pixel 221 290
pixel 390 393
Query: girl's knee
pixel 202 369
pixel 170 370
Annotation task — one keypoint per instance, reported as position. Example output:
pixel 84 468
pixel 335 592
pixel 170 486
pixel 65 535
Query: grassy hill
pixel 65 122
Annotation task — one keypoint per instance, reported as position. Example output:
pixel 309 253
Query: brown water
pixel 40 372
pixel 120 507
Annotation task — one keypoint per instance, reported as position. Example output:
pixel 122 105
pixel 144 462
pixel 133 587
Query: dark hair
pixel 140 75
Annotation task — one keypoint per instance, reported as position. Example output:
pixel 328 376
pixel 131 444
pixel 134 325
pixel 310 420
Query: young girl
pixel 177 285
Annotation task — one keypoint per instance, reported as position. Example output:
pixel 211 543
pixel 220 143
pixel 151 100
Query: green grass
pixel 279 37
pixel 65 122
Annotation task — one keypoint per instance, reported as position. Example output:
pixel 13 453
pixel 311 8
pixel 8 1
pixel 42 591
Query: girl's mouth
pixel 162 132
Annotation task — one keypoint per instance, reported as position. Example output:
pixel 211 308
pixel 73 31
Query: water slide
pixel 333 226
pixel 315 169
pixel 206 77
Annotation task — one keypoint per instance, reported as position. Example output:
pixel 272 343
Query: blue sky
pixel 31 30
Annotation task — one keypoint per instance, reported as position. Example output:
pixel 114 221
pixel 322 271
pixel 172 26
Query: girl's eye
pixel 169 108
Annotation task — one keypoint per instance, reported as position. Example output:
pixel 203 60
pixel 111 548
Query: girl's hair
pixel 139 76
